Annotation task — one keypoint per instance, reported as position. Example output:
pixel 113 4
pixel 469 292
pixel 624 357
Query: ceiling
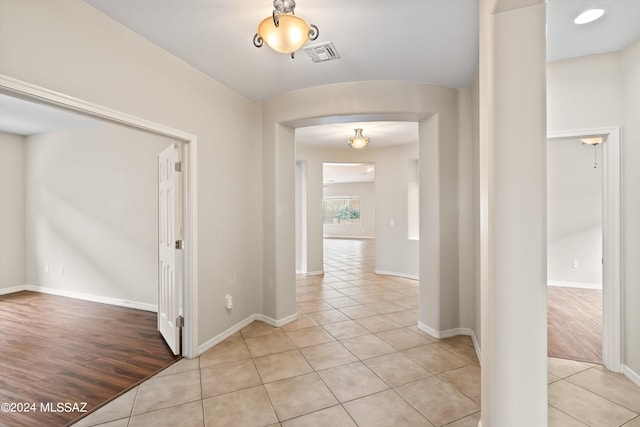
pixel 377 40
pixel 339 173
pixel 335 135
pixel 430 41
pixel 617 29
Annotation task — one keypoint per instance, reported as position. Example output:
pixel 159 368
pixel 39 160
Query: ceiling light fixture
pixel 588 16
pixel 594 141
pixel 358 141
pixel 284 32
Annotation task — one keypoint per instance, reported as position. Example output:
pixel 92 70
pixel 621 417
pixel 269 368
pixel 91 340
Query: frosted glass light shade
pixel 358 141
pixel 592 141
pixel 290 35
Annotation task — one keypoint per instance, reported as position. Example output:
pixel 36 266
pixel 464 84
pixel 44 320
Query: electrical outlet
pixel 228 301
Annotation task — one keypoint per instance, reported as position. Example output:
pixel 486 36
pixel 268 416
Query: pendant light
pixel 358 141
pixel 283 31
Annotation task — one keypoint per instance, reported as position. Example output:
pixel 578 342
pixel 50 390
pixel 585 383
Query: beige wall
pixel 631 205
pixel 584 93
pixel 74 49
pixel 11 211
pixel 574 214
pixel 91 208
pixel 467 233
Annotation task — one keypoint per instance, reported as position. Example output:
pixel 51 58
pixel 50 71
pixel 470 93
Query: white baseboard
pixel 349 237
pixel 580 285
pixel 224 335
pixel 312 273
pixel 276 323
pixel 85 297
pixel 13 289
pixel 448 333
pixel 235 328
pixel 634 377
pixel 393 273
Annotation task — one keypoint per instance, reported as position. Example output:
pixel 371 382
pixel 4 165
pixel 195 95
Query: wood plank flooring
pixel 574 325
pixel 63 350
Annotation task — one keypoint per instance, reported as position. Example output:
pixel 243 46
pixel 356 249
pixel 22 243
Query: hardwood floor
pixel 575 324
pixel 58 350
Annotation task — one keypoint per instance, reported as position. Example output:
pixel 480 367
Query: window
pixel 341 210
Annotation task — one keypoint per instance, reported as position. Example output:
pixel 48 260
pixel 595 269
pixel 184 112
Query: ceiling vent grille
pixel 322 52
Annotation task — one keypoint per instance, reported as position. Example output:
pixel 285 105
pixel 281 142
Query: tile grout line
pixel 594 392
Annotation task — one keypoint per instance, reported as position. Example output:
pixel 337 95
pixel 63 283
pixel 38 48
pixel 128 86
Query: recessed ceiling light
pixel 588 16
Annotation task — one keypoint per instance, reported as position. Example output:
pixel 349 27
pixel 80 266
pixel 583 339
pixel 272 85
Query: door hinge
pixel 179 166
pixel 179 244
pixel 180 322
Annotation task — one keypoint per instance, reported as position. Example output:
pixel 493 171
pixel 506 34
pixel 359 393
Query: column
pixel 512 76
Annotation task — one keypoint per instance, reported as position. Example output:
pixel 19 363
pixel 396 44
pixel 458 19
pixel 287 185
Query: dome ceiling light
pixel 284 32
pixel 594 141
pixel 358 141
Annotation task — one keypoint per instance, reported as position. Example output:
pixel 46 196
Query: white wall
pixel 396 253
pixel 475 209
pixel 584 93
pixel 604 91
pixel 11 211
pixel 91 209
pixel 631 205
pixel 574 214
pixel 466 235
pixel 72 48
pixel 366 192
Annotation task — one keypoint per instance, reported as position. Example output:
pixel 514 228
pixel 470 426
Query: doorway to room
pixel 348 216
pixel 606 157
pixel 574 248
pixel 31 93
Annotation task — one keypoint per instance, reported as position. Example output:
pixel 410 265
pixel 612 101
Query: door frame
pixel 15 87
pixel 611 241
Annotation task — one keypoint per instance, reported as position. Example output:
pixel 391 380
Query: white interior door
pixel 170 245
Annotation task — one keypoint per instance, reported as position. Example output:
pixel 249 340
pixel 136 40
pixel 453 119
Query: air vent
pixel 322 52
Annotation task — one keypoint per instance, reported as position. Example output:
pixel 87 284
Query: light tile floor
pixel 354 357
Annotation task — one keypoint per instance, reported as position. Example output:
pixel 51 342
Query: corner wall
pixel 91 209
pixel 11 211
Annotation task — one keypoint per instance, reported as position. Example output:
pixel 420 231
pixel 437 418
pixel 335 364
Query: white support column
pixel 513 212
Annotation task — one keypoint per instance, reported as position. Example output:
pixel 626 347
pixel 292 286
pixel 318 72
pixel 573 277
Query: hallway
pixel 354 357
